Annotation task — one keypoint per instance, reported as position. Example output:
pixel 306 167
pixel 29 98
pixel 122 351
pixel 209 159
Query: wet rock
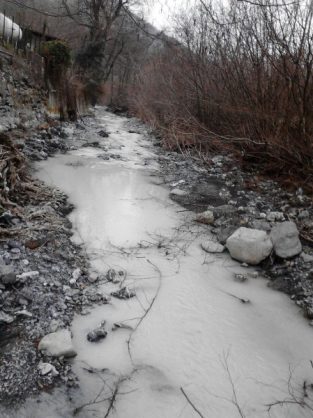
pixel 115 276
pixel 124 293
pixel 206 217
pixel 103 134
pixel 97 334
pixel 285 238
pixel 94 144
pixel 7 275
pixel 241 278
pixel 47 368
pixel 212 247
pixel 58 344
pixel 250 246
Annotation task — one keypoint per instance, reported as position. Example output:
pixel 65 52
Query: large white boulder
pixel 58 344
pixel 285 238
pixel 250 246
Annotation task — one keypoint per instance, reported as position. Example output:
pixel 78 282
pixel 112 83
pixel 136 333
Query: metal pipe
pixel 9 29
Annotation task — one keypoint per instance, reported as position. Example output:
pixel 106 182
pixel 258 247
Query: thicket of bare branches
pixel 240 80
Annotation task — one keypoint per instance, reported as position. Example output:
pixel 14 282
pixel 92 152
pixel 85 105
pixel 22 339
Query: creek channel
pixel 186 345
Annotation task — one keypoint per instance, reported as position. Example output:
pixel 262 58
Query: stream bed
pixel 185 345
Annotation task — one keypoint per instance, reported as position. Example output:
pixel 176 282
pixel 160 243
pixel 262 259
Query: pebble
pixel 28 275
pixel 47 368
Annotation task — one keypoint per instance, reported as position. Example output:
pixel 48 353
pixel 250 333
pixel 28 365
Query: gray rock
pixel 262 225
pixel 212 247
pixel 7 275
pixel 307 258
pixel 58 344
pixel 97 334
pixel 206 217
pixel 224 210
pixel 178 192
pixel 240 277
pixel 285 238
pixel 47 368
pixel 275 216
pixel 124 293
pixel 304 214
pixel 249 246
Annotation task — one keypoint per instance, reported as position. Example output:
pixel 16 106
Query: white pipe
pixel 9 29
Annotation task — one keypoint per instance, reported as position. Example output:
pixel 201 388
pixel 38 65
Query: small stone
pixel 115 276
pixel 76 274
pixel 206 217
pixel 14 244
pixel 224 210
pixel 178 192
pixel 240 278
pixel 103 134
pixel 275 216
pixel 24 313
pixel 98 333
pixel 304 214
pixel 93 277
pixel 124 293
pixel 212 247
pixel 47 368
pixel 15 251
pixel 58 344
pixel 307 258
pixel 7 275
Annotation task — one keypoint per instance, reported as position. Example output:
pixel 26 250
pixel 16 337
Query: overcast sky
pixel 161 12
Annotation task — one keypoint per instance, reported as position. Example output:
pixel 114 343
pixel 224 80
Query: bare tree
pixel 240 81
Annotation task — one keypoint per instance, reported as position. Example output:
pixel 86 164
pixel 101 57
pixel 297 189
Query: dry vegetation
pixel 239 81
